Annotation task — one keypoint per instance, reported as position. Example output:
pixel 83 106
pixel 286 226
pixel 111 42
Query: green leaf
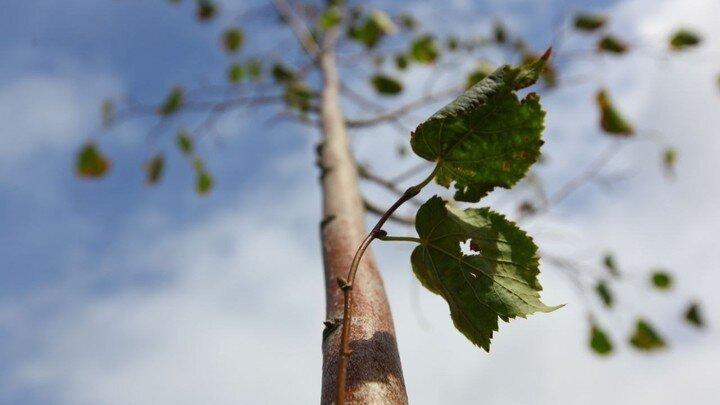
pixel 487 137
pixel 206 10
pixel 496 278
pixel 693 316
pixel 203 180
pixel 401 62
pixel 605 294
pixel 610 265
pixel 499 32
pixel 589 22
pixel 330 18
pixel 90 162
pixel 173 102
pixel 452 43
pixel 184 142
pixel 645 337
pixel 107 112
pixel 299 96
pixel 233 40
pixel 683 39
pixel 612 44
pixel 386 85
pixel 424 49
pixel 661 280
pixel 407 22
pixel 610 119
pixel 670 157
pixel 254 69
pixel 235 73
pixel 372 29
pixel 282 73
pixel 600 342
pixel 154 168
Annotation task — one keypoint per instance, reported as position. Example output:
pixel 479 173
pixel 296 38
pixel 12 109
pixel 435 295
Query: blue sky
pixel 114 292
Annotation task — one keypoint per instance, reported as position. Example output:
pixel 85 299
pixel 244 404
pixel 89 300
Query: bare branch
pixel 399 112
pixel 372 208
pixel 392 186
pixel 299 29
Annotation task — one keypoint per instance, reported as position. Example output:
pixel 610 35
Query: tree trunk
pixel 374 371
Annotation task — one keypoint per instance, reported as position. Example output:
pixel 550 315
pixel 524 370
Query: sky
pixel 113 292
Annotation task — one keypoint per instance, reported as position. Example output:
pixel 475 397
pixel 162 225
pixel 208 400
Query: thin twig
pixel 346 285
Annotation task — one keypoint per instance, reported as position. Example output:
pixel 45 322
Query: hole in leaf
pixel 469 248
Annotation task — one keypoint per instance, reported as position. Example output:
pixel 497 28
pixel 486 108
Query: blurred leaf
pixel 233 40
pixel 611 266
pixel 499 32
pixel 670 157
pixel 299 96
pixel 486 137
pixel 372 29
pixel 330 18
pixel 282 73
pixel 600 342
pixel 661 280
pixel 612 44
pixel 527 208
pixel 589 22
pixel 645 337
pixel 184 142
pixel 499 281
pixel 683 39
pixel 254 69
pixel 610 119
pixel 203 180
pixel 452 43
pixel 407 22
pixel 235 73
pixel 154 168
pixel 107 112
pixel 693 316
pixel 603 291
pixel 90 162
pixel 386 85
pixel 206 10
pixel 401 61
pixel 424 49
pixel 173 102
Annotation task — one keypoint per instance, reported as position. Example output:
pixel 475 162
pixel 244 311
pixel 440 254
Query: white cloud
pixel 44 112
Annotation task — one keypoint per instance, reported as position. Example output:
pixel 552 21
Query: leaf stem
pixel 399 239
pixel 346 285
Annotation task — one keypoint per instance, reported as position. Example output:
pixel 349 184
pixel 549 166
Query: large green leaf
pixel 496 276
pixel 645 337
pixel 487 137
